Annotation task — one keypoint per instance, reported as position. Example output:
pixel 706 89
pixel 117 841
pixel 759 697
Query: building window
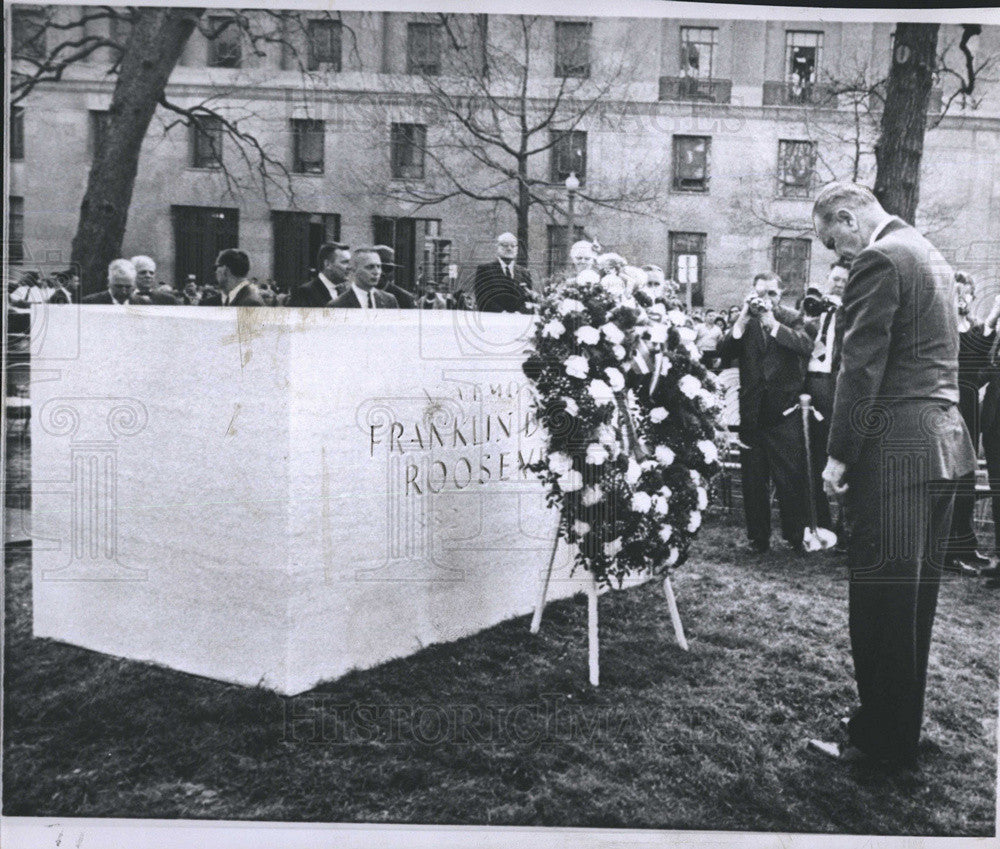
pixel 296 240
pixel 206 142
pixel 802 57
pixel 224 50
pixel 15 228
pixel 687 265
pixel 100 119
pixel 307 146
pixel 691 158
pixel 572 49
pixel 28 34
pixel 790 261
pixel 569 155
pixel 697 52
pixel 407 144
pixel 796 164
pixel 17 133
pixel 200 232
pixel 324 45
pixel 556 257
pixel 423 49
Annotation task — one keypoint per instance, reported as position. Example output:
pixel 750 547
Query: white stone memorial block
pixel 278 496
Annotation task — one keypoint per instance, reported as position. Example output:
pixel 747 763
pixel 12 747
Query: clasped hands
pixel 833 477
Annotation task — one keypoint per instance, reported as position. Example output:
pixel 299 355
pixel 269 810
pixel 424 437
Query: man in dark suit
pixel 146 290
pixel 897 445
pixel 231 269
pixel 387 282
pixel 821 373
pixel 772 347
pixel 362 290
pixel 502 285
pixel 334 261
pixel 121 284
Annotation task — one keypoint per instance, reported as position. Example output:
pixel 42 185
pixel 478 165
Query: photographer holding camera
pixel 825 321
pixel 772 347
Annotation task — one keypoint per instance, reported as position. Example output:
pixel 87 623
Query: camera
pixel 814 304
pixel 757 305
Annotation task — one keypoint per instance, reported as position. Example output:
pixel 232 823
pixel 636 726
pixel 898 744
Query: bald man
pixel 503 285
pixel 146 290
pixel 121 285
pixel 362 284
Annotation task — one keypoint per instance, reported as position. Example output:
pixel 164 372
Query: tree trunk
pixel 150 54
pixel 901 140
pixel 523 208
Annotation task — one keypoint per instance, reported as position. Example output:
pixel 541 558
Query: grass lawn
pixel 503 728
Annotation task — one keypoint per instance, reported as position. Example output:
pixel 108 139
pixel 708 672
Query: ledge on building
pixel 689 88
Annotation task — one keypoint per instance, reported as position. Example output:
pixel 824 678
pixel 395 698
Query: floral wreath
pixel 630 413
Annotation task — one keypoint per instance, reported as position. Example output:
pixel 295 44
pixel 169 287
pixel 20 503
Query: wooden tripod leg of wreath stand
pixel 543 588
pixel 593 647
pixel 675 615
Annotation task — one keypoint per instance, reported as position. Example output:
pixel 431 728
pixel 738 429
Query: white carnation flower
pixel 666 492
pixel 577 366
pixel 657 333
pixel 687 334
pixel 666 532
pixel 665 366
pixel 596 454
pixel 646 465
pixel 571 481
pixel 642 502
pixel 560 463
pixel 615 379
pixel 554 329
pixel 571 406
pixel 694 352
pixel 664 455
pixel 601 392
pixel 709 450
pixel 702 498
pixel 591 495
pixel 689 385
pixel 619 352
pixel 661 505
pixel 613 547
pixel 588 277
pixel 677 318
pixel 588 335
pixel 709 399
pixel 694 522
pixel 613 333
pixel 606 435
pixel 673 557
pixel 657 311
pixel 633 472
pixel 636 277
pixel 570 305
pixel 657 414
pixel 581 528
pixel 613 285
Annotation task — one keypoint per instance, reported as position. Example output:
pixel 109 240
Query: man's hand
pixel 833 477
pixel 768 321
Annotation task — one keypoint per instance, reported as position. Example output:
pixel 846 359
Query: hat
pixel 387 255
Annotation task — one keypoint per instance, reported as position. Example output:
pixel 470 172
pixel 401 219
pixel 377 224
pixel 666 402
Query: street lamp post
pixel 572 186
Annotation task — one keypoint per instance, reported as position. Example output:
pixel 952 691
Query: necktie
pixel 823 334
pixel 509 270
pixel 371 300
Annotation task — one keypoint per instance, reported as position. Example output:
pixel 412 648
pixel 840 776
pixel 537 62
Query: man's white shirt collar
pixel 878 230
pixel 235 290
pixel 362 297
pixel 329 285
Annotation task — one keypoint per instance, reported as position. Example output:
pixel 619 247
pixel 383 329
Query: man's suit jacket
pixel 311 294
pixel 898 379
pixel 383 300
pixel 772 368
pixel 403 298
pixel 98 298
pixel 973 372
pixel 989 416
pixel 159 295
pixel 248 296
pixel 61 295
pixel 496 292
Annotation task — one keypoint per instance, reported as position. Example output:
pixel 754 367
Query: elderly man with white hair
pixel 502 285
pixel 146 290
pixel 121 284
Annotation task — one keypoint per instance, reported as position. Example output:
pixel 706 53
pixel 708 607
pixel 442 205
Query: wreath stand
pixel 593 646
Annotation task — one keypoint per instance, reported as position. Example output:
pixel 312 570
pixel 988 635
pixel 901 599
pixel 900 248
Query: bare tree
pixel 498 116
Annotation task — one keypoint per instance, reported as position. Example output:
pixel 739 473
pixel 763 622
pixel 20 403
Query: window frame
pixel 562 47
pixel 216 59
pixel 300 128
pixel 777 243
pixel 405 137
pixel 676 249
pixel 677 181
pixel 790 37
pixel 334 45
pixel 434 45
pixel 558 176
pixel 34 19
pixel 783 187
pixel 198 132
pixel 17 134
pixel 15 213
pixel 684 66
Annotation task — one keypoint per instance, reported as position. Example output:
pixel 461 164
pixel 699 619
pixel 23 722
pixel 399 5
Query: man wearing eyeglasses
pixel 772 347
pixel 503 285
